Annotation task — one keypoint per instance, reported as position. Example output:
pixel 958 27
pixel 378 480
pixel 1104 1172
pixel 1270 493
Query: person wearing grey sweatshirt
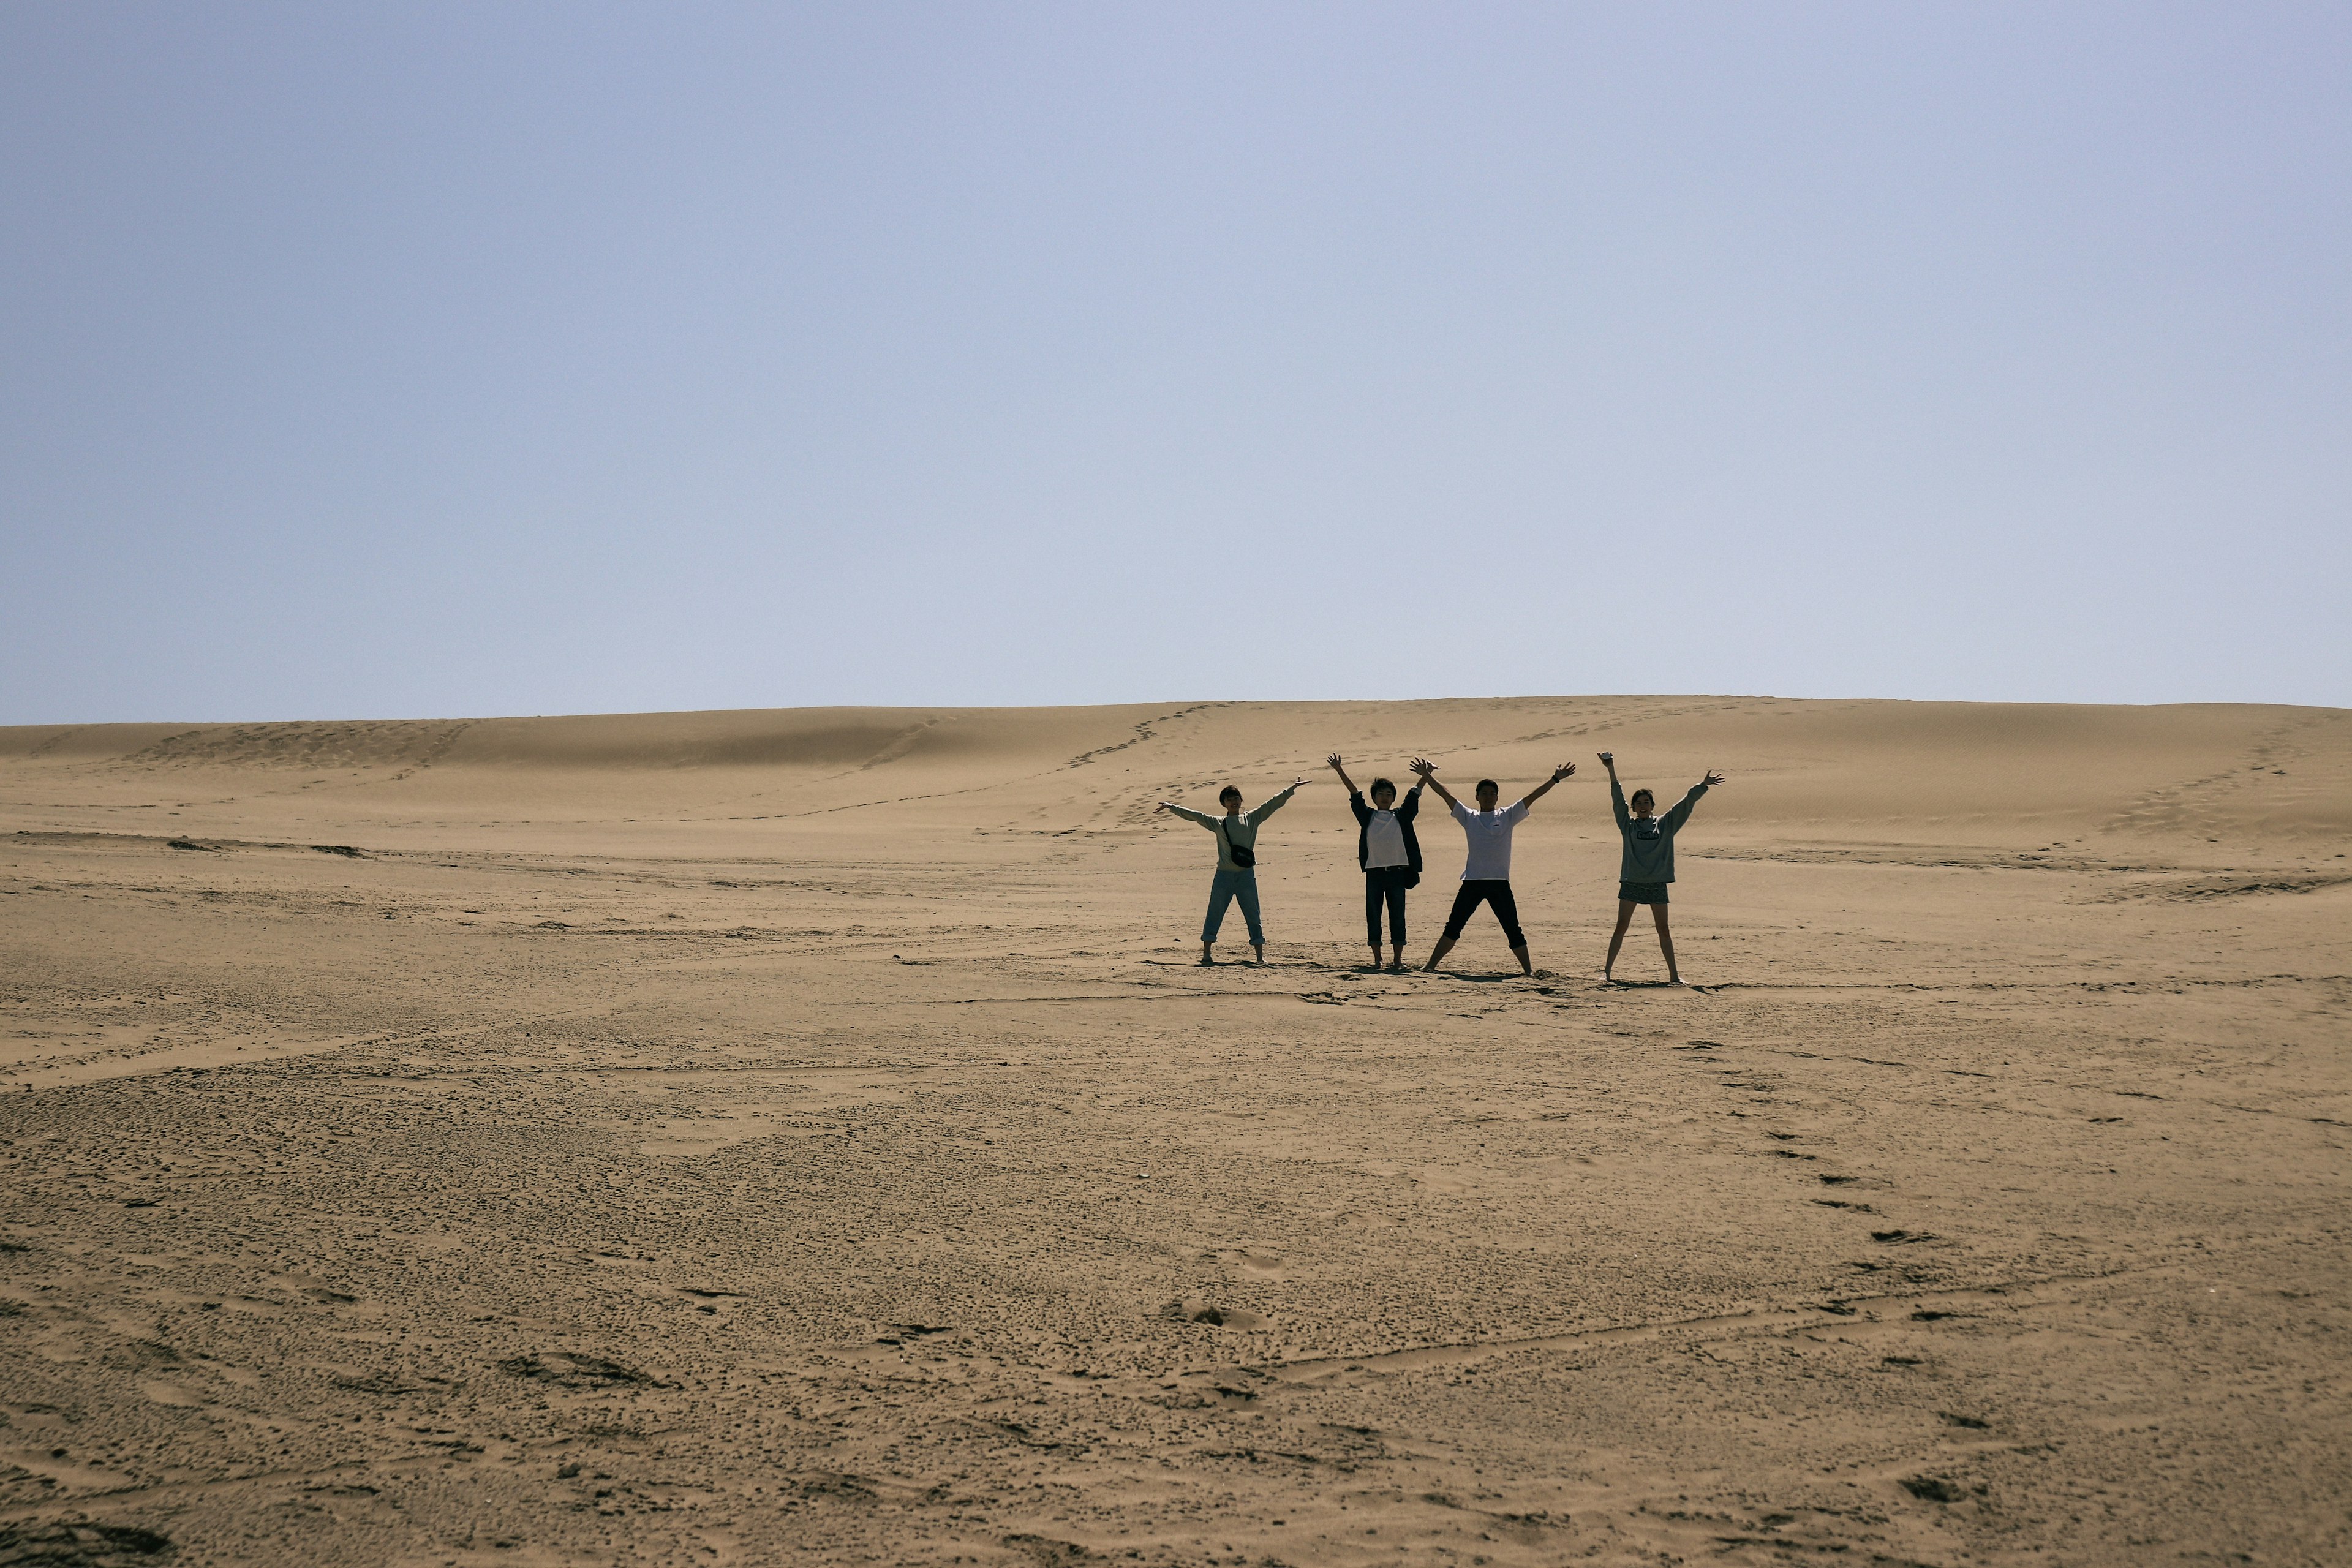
pixel 1648 862
pixel 1236 876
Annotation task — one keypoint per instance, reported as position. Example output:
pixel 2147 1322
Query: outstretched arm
pixel 1278 802
pixel 1345 781
pixel 1428 771
pixel 1558 773
pixel 1616 792
pixel 1683 807
pixel 1187 812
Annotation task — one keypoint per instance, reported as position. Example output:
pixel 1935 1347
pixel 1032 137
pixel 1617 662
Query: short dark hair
pixel 1231 791
pixel 1642 795
pixel 1388 785
pixel 1490 783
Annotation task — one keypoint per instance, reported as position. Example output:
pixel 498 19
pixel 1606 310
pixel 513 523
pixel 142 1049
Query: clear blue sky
pixel 417 359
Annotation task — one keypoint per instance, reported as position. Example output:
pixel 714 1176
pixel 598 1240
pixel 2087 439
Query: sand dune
pixel 803 1136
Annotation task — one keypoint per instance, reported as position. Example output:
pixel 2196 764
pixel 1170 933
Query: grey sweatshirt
pixel 1650 840
pixel 1233 830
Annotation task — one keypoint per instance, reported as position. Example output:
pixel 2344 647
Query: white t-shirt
pixel 1489 833
pixel 1384 841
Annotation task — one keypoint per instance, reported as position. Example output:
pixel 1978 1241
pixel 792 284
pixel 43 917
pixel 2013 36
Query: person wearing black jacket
pixel 1389 854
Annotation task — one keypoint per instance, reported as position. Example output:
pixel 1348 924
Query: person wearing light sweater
pixel 1236 876
pixel 1648 862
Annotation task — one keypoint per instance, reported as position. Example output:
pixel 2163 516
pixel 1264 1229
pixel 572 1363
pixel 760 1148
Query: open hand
pixel 1299 780
pixel 1332 760
pixel 1713 778
pixel 1164 805
pixel 1423 766
pixel 1562 772
pixel 1608 759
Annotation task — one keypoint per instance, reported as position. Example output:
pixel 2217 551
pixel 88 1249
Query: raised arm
pixel 1428 771
pixel 1616 792
pixel 1558 773
pixel 1363 813
pixel 1683 807
pixel 1188 814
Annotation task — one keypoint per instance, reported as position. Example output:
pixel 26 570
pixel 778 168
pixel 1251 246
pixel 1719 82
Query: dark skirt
pixel 1642 892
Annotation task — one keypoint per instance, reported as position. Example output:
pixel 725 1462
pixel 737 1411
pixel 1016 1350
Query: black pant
pixel 1385 882
pixel 1506 909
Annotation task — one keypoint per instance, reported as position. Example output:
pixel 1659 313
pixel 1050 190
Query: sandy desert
pixel 804 1136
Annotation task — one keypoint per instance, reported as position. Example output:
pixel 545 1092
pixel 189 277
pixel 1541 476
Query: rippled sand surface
pixel 804 1136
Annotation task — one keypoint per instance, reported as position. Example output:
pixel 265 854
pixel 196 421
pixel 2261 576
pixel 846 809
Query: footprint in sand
pixel 81 1544
pixel 908 1333
pixel 569 1370
pixel 1209 1314
pixel 1932 1488
pixel 1253 1262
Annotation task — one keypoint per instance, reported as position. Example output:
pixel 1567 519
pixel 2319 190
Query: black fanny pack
pixel 1244 858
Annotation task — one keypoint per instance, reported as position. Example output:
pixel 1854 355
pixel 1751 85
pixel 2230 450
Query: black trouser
pixel 1506 909
pixel 1385 882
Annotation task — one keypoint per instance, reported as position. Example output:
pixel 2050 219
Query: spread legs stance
pixel 1625 908
pixel 1506 909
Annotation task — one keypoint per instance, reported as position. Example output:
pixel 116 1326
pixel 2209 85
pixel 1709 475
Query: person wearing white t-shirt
pixel 1486 870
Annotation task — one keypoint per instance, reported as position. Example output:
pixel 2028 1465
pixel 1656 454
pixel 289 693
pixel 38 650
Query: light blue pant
pixel 1229 886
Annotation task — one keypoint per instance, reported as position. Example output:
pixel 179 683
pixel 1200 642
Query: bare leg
pixel 1617 938
pixel 1444 946
pixel 1665 943
pixel 1527 965
pixel 1396 956
pixel 1208 955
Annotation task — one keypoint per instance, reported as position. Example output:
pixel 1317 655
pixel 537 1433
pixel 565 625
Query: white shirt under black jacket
pixel 1384 841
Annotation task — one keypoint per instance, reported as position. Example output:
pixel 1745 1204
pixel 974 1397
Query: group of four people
pixel 1390 853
